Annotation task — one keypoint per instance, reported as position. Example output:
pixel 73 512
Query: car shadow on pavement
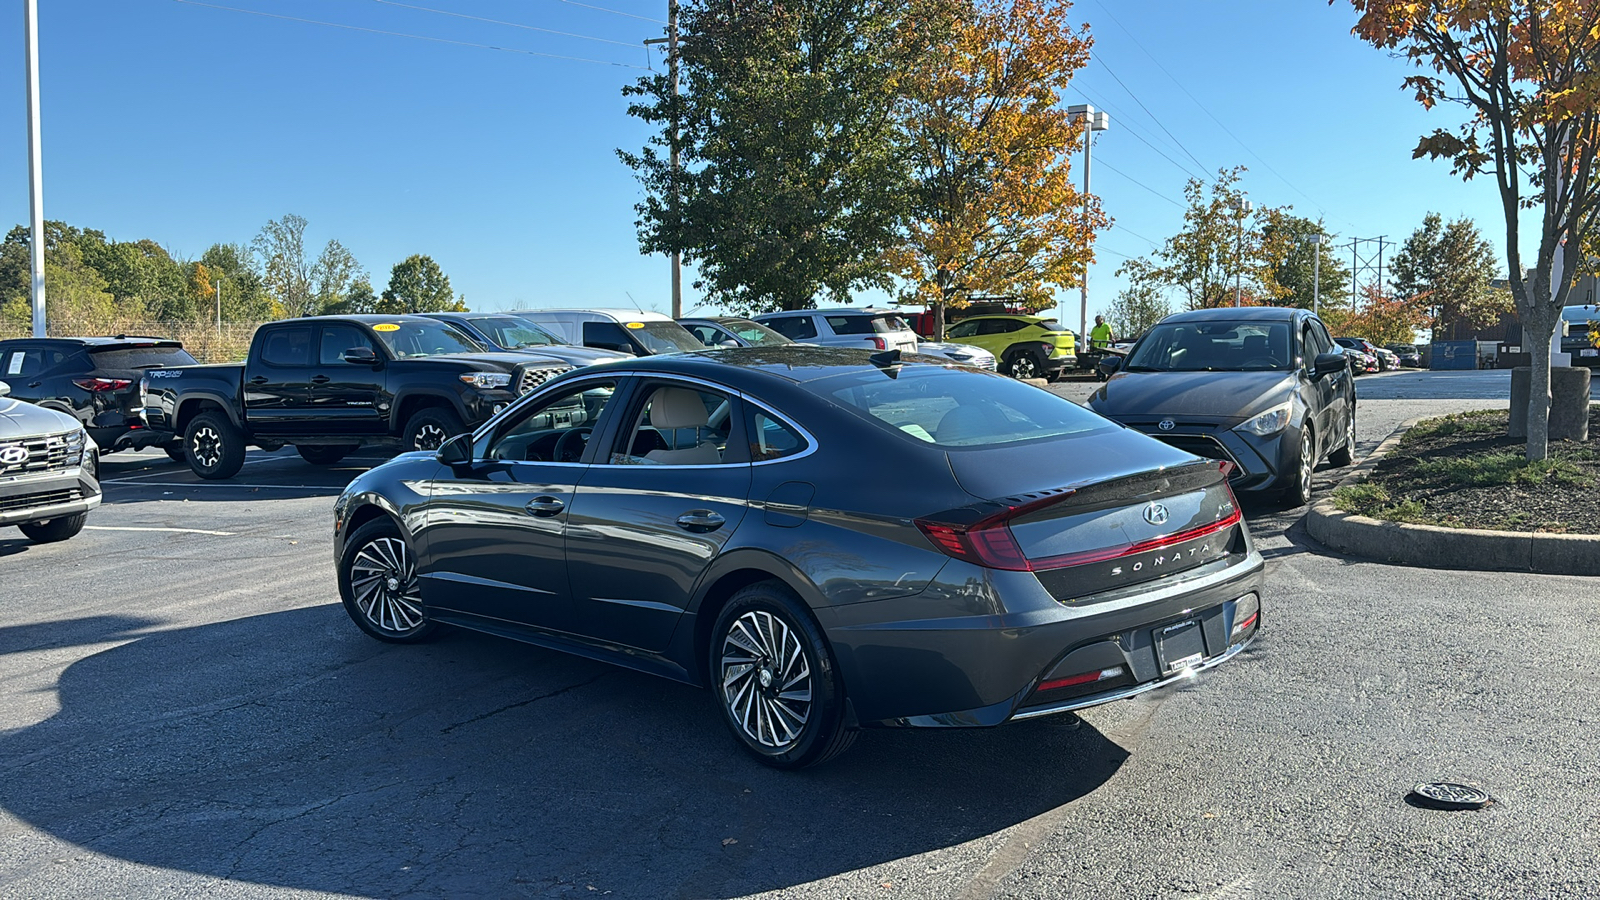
pixel 289 750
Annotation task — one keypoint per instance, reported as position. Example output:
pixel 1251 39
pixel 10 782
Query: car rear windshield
pixel 513 332
pixel 141 357
pixel 424 337
pixel 1580 313
pixel 1051 325
pixel 951 407
pixel 867 324
pixel 1212 347
pixel 755 333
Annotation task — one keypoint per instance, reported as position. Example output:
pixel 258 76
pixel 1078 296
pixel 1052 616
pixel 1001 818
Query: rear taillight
pixel 990 546
pixel 1056 684
pixel 96 385
pixel 880 343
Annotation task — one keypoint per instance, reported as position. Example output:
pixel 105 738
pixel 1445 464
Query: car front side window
pixel 555 429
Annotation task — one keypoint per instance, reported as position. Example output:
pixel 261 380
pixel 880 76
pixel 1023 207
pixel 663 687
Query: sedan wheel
pixel 378 583
pixel 775 679
pixel 1297 492
pixel 1346 454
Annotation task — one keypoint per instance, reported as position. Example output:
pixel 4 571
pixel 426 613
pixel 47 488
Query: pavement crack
pixel 521 703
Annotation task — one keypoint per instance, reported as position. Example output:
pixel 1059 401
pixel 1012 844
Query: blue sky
pixel 190 124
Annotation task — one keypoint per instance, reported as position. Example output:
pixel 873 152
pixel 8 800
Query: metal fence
pixel 206 341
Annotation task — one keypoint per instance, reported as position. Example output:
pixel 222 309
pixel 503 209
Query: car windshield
pixel 664 337
pixel 412 338
pixel 952 407
pixel 1212 347
pixel 513 332
pixel 858 324
pixel 754 333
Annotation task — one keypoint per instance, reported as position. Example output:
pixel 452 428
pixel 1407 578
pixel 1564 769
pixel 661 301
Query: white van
pixel 624 330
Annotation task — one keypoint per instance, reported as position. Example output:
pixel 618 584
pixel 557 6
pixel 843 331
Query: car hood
pixel 1215 395
pixel 19 419
pixel 496 362
pixel 574 356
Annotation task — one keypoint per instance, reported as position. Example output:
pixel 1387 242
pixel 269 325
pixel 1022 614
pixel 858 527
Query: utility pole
pixel 1241 208
pixel 30 24
pixel 671 40
pixel 1371 264
pixel 1092 122
pixel 219 307
pixel 1316 273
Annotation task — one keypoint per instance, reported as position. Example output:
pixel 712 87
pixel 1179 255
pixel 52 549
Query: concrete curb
pixel 1433 547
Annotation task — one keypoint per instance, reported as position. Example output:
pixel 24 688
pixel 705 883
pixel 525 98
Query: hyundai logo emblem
pixel 1156 514
pixel 12 456
pixel 1166 424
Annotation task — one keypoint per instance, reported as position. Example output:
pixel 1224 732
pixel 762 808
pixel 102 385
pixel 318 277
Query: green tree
pixel 418 285
pixel 1446 270
pixel 334 275
pixel 790 186
pixel 359 299
pixel 1136 308
pixel 1298 271
pixel 244 297
pixel 285 270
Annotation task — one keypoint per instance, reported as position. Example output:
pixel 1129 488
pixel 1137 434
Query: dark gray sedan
pixel 1264 388
pixel 828 539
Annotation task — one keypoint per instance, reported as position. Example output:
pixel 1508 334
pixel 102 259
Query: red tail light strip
pixel 1089 556
pixel 95 385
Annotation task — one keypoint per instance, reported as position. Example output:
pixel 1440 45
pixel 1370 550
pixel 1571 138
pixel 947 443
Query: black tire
pixel 760 622
pixel 51 530
pixel 324 454
pixel 1297 484
pixel 378 584
pixel 176 453
pixel 1025 364
pixel 1346 454
pixel 215 448
pixel 430 427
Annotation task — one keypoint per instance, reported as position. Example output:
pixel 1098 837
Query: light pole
pixel 30 25
pixel 1316 273
pixel 671 40
pixel 1241 208
pixel 1092 121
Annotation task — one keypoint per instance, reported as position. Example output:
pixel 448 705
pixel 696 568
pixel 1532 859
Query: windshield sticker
pixel 386 326
pixel 635 324
pixel 16 363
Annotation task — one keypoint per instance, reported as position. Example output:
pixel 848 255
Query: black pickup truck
pixel 329 384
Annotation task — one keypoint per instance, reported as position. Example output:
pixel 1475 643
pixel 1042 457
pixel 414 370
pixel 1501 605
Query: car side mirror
pixel 5 389
pixel 360 356
pixel 729 344
pixel 456 451
pixel 1329 363
pixel 1109 364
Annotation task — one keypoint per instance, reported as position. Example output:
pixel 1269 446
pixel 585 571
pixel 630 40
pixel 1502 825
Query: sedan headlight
pixel 1270 422
pixel 486 380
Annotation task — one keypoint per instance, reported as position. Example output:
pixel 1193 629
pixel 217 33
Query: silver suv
pixel 866 328
pixel 47 470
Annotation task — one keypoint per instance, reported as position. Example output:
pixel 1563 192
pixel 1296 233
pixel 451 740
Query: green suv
pixel 1026 346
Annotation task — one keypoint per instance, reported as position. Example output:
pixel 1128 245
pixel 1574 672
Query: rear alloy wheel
pixel 775 679
pixel 52 530
pixel 429 428
pixel 378 583
pixel 1026 365
pixel 215 447
pixel 1297 486
pixel 1346 454
pixel 324 454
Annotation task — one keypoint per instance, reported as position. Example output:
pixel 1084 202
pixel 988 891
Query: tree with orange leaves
pixel 990 148
pixel 1527 71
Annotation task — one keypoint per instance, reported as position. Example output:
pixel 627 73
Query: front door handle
pixel 545 506
pixel 700 521
pixel 259 379
pixel 320 379
pixel 34 383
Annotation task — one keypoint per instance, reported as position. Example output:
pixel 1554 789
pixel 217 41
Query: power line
pixel 1141 184
pixel 419 37
pixel 1135 234
pixel 615 12
pixel 1147 112
pixel 1133 131
pixel 445 12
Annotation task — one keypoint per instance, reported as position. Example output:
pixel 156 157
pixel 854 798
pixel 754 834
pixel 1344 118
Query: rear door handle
pixel 700 521
pixel 545 506
pixel 320 379
pixel 259 379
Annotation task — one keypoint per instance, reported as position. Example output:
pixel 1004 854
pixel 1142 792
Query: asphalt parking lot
pixel 188 712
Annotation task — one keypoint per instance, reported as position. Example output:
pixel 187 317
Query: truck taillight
pixel 880 343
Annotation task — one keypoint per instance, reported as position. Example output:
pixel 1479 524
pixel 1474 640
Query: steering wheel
pixel 1266 362
pixel 571 445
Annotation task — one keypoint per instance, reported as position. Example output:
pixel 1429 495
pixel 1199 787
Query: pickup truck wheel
pixel 52 530
pixel 214 446
pixel 431 427
pixel 324 454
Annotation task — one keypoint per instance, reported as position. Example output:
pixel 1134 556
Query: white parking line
pixel 248 462
pixel 173 530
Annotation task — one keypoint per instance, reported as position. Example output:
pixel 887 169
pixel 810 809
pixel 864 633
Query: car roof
pixel 1240 314
pixel 834 311
pixel 1025 318
pixel 624 315
pixel 741 366
pixel 364 318
pixel 132 339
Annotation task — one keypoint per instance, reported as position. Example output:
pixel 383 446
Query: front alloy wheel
pixel 1297 492
pixel 379 586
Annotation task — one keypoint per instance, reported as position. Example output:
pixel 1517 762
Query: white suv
pixel 623 330
pixel 867 328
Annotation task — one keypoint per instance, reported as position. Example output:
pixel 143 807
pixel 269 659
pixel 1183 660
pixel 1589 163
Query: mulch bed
pixel 1428 479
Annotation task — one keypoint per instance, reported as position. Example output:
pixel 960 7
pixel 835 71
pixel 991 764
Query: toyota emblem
pixel 1166 424
pixel 1156 514
pixel 13 456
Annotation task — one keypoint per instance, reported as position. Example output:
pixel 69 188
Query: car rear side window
pixel 866 324
pixel 141 357
pixel 771 438
pixel 952 407
pixel 795 328
pixel 287 347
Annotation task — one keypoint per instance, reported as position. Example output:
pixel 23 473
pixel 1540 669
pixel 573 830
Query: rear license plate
pixel 1589 352
pixel 1180 646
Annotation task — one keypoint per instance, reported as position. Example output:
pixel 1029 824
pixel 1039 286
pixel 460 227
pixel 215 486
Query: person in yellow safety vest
pixel 1100 336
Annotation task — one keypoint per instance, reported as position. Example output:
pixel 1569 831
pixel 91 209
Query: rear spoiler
pixel 136 342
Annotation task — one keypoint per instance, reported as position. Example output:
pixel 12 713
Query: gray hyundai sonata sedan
pixel 828 539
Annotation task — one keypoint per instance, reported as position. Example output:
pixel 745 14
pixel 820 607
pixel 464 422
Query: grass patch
pixel 1375 502
pixel 1502 467
pixel 1478 421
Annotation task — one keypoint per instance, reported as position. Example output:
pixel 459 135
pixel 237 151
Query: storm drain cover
pixel 1449 795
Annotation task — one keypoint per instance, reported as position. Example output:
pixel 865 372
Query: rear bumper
pixel 907 666
pixel 35 498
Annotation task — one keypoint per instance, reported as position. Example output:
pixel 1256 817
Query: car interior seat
pixel 672 409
